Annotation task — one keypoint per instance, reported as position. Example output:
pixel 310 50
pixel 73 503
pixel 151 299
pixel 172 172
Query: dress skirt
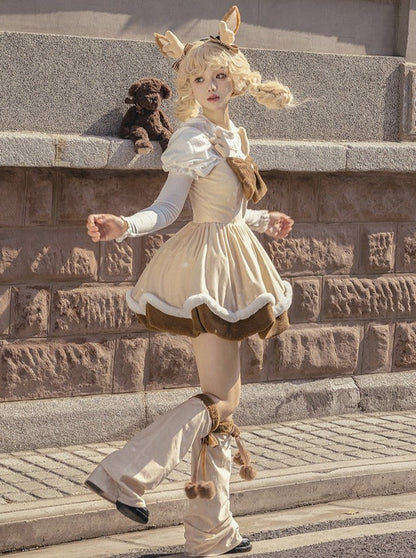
pixel 215 278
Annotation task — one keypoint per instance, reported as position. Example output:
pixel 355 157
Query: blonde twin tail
pixel 271 94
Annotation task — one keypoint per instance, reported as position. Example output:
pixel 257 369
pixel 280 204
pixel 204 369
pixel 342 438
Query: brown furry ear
pixel 165 90
pixel 133 89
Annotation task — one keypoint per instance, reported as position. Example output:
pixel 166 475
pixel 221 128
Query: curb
pixel 50 522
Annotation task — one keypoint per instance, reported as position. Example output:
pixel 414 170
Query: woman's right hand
pixel 104 226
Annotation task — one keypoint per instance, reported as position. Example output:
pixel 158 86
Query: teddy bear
pixel 144 121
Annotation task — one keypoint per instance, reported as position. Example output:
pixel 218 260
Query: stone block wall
pixel 65 328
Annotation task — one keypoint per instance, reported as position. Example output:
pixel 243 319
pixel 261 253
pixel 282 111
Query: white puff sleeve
pixel 189 152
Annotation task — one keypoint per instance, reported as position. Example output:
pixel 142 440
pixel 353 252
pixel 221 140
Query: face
pixel 212 89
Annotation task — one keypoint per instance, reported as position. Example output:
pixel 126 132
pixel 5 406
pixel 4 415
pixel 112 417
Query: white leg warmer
pixel 149 457
pixel 210 528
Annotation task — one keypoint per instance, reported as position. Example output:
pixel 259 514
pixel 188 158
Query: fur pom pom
pixel 247 472
pixel 191 490
pixel 206 490
pixel 238 460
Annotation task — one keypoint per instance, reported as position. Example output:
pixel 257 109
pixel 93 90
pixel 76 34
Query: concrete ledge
pixel 379 392
pixel 389 156
pixel 31 149
pixel 78 420
pixel 299 155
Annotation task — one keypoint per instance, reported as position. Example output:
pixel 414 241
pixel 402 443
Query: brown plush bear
pixel 145 121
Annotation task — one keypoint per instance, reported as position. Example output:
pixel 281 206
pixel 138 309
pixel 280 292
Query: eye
pixel 198 79
pixel 221 75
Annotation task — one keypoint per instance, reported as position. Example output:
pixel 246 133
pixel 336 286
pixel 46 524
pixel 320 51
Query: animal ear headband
pixel 171 46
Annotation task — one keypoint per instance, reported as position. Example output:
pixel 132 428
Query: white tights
pixel 218 363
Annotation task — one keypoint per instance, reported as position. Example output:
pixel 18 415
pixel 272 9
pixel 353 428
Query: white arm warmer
pixel 165 209
pixel 257 219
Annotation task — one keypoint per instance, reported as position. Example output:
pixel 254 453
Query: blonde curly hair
pixel 205 54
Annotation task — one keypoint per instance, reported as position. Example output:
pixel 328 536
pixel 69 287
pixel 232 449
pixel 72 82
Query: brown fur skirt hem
pixel 203 320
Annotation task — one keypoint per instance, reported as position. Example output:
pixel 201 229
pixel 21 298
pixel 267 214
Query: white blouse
pixel 190 154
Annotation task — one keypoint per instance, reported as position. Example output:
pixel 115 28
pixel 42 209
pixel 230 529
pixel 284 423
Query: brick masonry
pixel 65 328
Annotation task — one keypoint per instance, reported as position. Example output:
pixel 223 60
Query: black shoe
pixel 244 546
pixel 141 515
pixel 97 490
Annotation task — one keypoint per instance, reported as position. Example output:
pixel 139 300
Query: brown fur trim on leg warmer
pixel 212 409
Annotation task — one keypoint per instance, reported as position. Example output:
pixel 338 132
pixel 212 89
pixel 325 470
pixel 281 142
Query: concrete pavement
pixel 305 462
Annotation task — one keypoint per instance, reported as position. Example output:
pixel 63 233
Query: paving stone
pixel 19 497
pixel 16 464
pixel 60 483
pixel 79 463
pixel 366 428
pixel 42 475
pixel 370 437
pixel 53 473
pixel 30 486
pixel 89 454
pixel 47 493
pixel 106 450
pixel 392 451
pixel 5 488
pixel 371 446
pixel 40 460
pixel 117 444
pixel 406 446
pixel 322 433
pixel 263 433
pixel 306 427
pixel 406 437
pixel 294 462
pixel 13 478
pixel 345 430
pixel 399 418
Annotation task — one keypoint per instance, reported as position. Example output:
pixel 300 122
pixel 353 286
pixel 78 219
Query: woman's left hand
pixel 280 225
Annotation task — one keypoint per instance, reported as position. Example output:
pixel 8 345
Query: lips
pixel 213 98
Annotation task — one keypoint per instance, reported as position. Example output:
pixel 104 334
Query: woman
pixel 212 281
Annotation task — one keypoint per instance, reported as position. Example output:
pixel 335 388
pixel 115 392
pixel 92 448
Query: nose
pixel 212 86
